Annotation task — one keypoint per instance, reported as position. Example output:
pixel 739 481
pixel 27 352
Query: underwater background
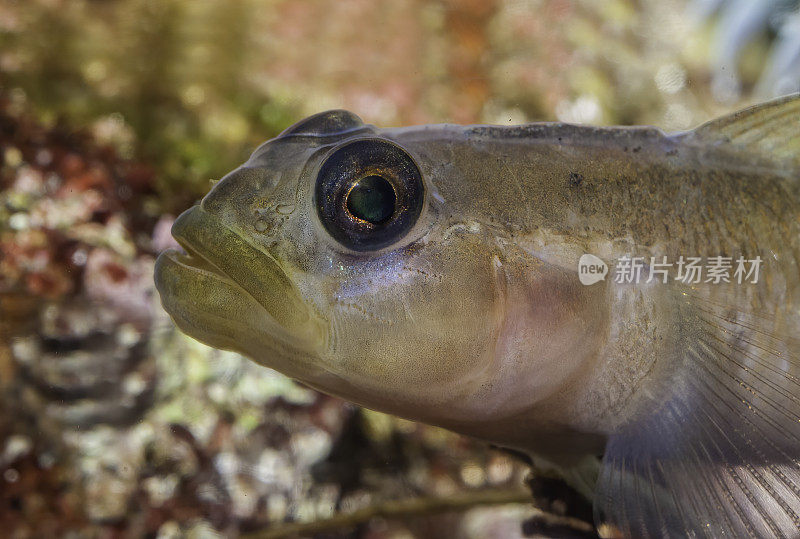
pixel 116 115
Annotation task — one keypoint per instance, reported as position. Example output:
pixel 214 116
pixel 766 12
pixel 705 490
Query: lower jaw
pixel 216 311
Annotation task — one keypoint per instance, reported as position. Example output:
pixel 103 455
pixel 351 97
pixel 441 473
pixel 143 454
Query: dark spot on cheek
pixel 575 179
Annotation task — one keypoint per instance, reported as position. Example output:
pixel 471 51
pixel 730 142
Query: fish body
pixel 433 272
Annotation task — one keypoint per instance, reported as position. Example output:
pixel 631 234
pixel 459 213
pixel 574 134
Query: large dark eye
pixel 369 194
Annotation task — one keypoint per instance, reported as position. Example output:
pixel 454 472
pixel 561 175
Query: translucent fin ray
pixel 770 130
pixel 715 450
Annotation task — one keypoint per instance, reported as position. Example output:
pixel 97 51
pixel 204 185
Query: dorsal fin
pixel 770 130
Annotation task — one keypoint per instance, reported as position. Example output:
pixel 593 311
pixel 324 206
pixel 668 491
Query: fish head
pixel 350 258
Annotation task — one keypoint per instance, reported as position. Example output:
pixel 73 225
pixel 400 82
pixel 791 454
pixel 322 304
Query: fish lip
pixel 214 248
pixel 190 257
pixel 228 317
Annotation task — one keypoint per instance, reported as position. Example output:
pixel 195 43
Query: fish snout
pixel 213 246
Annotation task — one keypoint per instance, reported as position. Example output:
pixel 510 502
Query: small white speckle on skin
pixel 496 262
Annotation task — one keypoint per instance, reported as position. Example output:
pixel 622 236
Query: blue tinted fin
pixel 714 451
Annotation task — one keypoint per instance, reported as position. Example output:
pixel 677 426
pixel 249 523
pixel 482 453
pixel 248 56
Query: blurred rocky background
pixel 115 115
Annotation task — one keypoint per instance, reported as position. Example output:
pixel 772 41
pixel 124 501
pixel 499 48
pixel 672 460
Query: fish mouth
pixel 222 287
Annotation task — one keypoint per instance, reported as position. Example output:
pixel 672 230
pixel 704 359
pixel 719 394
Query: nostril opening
pixel 284 208
pixel 268 218
pixel 261 224
pixel 264 221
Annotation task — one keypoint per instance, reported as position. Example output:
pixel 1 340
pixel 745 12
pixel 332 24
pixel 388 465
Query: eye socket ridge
pixel 369 193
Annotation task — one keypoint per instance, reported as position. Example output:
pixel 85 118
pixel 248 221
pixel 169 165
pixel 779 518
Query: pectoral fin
pixel 716 451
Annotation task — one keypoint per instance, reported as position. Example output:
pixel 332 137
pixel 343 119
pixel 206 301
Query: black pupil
pixel 372 199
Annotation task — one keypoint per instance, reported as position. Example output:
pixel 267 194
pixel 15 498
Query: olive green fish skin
pixel 475 318
pixel 416 329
